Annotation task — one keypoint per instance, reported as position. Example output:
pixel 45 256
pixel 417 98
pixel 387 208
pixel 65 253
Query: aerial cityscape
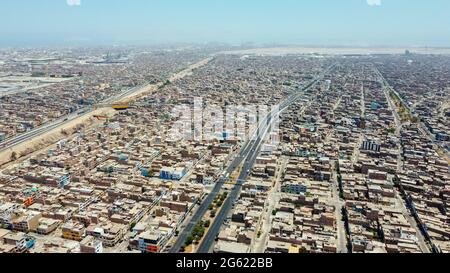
pixel 223 147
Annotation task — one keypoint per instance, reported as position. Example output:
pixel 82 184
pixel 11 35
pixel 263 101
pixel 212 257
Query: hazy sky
pixel 303 22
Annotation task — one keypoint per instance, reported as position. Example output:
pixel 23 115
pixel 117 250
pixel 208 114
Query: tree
pixel 189 240
pixel 213 214
pixel 13 156
pixel 132 226
pixel 303 250
pixel 337 166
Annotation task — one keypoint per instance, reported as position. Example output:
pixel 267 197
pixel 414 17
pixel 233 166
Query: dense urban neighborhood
pixel 130 149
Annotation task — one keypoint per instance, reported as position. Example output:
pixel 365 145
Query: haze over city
pixel 319 22
pixel 230 127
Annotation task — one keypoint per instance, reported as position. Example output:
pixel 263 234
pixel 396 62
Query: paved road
pixel 339 204
pixel 399 200
pixel 204 207
pixel 425 131
pixel 13 142
pixel 259 242
pixel 249 161
pixel 249 148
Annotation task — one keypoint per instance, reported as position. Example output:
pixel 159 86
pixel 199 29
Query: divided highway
pixel 22 138
pixel 247 156
pixel 28 136
pixel 438 145
pixel 250 159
